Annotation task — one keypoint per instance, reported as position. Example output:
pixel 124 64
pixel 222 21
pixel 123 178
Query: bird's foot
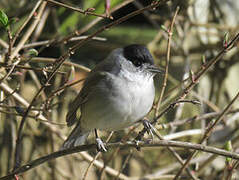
pixel 149 128
pixel 100 145
pixel 137 144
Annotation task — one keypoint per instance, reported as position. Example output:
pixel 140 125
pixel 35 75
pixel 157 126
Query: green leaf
pixel 164 28
pixel 3 19
pixel 13 20
pixel 32 52
pixel 228 147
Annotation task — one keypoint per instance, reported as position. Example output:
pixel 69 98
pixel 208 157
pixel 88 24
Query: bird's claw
pixel 149 128
pixel 137 144
pixel 100 145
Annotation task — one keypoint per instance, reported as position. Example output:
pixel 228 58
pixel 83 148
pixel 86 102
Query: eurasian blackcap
pixel 118 92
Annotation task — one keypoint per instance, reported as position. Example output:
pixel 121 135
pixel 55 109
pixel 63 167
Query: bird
pixel 118 92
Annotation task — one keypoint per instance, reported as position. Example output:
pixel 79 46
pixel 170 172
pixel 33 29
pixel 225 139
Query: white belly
pixel 118 106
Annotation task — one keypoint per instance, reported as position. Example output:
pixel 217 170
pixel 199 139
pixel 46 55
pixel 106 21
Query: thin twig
pixel 96 156
pixel 207 134
pixel 176 155
pixel 231 170
pixel 60 90
pixel 20 99
pixel 85 12
pixel 101 165
pixel 141 144
pixel 36 118
pixel 27 20
pixel 52 60
pixel 10 71
pixel 170 34
pixel 154 121
pixel 126 161
pixel 29 31
pixel 46 42
pixel 14 107
pixel 10 39
pixel 41 24
pixel 209 64
pixel 116 151
pixel 13 66
pixel 92 23
pixel 192 119
pixel 181 134
pixel 193 83
pixel 9 93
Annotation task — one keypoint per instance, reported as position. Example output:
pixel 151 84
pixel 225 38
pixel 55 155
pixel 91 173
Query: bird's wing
pixel 96 75
pixel 71 116
pixel 90 83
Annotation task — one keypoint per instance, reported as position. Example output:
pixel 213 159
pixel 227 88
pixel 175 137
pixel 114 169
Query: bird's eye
pixel 137 63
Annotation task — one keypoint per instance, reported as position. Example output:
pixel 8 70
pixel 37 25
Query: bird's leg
pixel 149 127
pixel 99 143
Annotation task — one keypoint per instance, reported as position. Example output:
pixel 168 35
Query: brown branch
pixel 10 71
pixel 193 83
pixel 193 119
pixel 36 118
pixel 209 64
pixel 85 12
pixel 102 165
pixel 207 134
pixel 29 31
pixel 170 33
pixel 10 39
pixel 172 105
pixel 176 155
pixel 92 23
pixel 96 156
pixel 27 20
pixel 13 66
pixel 47 42
pixel 19 99
pixel 129 144
pixel 52 60
pixel 59 90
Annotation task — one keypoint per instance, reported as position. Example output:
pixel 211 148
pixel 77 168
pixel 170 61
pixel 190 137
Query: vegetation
pixel 47 48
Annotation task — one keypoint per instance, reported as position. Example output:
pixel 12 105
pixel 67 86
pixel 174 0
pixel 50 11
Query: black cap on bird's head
pixel 139 55
pixel 136 52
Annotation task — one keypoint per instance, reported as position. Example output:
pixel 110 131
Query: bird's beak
pixel 154 69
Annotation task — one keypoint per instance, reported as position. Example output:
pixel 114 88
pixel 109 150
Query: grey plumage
pixel 118 92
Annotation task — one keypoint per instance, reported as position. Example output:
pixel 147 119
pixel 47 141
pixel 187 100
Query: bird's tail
pixel 76 138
